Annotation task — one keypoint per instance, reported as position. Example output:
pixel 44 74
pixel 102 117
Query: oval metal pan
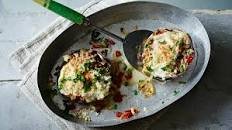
pixel 147 15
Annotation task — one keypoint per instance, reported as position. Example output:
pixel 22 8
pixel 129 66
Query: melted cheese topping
pixel 85 75
pixel 165 53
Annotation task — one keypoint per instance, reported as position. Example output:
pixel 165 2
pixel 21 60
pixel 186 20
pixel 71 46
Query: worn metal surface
pixel 208 106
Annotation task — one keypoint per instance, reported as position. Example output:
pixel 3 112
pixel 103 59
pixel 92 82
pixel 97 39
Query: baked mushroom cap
pixel 167 53
pixel 85 76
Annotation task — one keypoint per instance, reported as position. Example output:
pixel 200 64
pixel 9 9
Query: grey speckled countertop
pixel 208 106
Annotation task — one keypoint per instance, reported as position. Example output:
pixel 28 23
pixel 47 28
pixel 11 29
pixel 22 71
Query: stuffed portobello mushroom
pixel 167 53
pixel 85 76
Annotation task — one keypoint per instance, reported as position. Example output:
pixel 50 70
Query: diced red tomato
pixel 189 59
pixel 127 114
pixel 118 53
pixel 118 114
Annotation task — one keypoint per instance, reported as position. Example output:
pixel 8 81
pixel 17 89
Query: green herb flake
pixel 87 65
pixel 115 106
pixel 87 86
pixel 60 86
pixel 180 42
pixel 176 92
pixel 149 68
pixel 182 82
pixel 125 67
pixel 153 77
pixel 79 77
pixel 135 92
pixel 98 78
pixel 140 81
pixel 146 46
pixel 167 68
pixel 129 71
pixel 162 42
pixel 102 71
pixel 162 102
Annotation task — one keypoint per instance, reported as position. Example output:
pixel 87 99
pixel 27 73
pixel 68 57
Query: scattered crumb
pixel 136 27
pixel 66 58
pixel 82 114
pixel 123 31
pixel 146 88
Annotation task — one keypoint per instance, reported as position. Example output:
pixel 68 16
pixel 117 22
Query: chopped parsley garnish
pixel 135 92
pixel 149 68
pixel 79 77
pixel 60 86
pixel 87 86
pixel 176 92
pixel 140 81
pixel 182 82
pixel 129 70
pixel 153 77
pixel 146 46
pixel 182 68
pixel 167 68
pixel 162 42
pixel 115 106
pixel 102 71
pixel 125 67
pixel 180 42
pixel 74 79
pixel 87 65
pixel 98 77
pixel 61 83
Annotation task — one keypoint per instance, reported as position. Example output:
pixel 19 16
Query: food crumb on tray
pixel 127 114
pixel 82 114
pixel 146 88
